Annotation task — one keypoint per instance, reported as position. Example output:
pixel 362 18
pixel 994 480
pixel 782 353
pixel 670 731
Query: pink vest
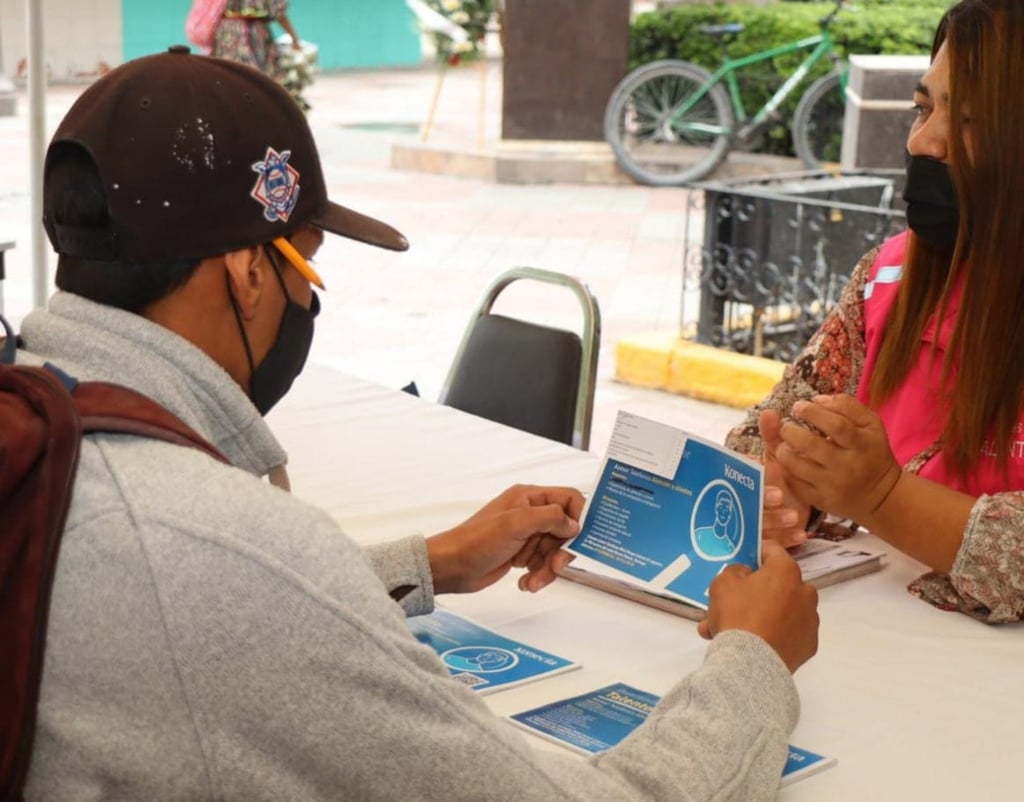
pixel 914 416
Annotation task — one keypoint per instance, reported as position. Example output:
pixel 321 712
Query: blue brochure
pixel 802 763
pixel 671 510
pixel 595 721
pixel 592 722
pixel 480 658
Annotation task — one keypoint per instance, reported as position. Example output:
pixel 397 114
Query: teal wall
pixel 349 33
pixel 151 26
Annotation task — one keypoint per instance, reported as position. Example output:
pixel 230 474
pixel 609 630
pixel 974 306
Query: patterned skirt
pixel 249 41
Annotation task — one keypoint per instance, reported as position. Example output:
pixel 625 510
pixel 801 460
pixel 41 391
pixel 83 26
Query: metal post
pixel 8 94
pixel 37 147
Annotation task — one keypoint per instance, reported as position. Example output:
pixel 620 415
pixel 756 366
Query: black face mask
pixel 273 377
pixel 932 210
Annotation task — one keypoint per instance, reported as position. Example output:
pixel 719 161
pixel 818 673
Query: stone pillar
pixel 562 59
pixel 878 117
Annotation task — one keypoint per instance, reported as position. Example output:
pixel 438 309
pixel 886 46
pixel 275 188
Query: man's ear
pixel 247 276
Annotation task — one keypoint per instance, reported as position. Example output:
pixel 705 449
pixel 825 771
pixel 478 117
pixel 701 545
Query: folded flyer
pixel 802 763
pixel 593 722
pixel 480 658
pixel 670 510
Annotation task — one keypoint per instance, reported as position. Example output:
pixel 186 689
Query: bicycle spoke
pixel 656 104
pixel 647 109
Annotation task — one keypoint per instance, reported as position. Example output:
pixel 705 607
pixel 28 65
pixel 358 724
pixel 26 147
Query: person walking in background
pixel 244 35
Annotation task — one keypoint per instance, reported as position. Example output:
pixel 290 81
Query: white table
pixel 915 703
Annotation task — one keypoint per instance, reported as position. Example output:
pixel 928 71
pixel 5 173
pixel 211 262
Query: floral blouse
pixel 987 578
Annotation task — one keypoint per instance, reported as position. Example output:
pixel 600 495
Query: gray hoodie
pixel 213 638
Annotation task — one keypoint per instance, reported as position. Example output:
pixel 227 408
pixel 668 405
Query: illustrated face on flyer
pixel 717 523
pixel 672 510
pixel 480 658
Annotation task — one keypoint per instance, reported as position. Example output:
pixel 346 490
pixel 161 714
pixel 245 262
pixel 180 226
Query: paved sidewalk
pixel 395 318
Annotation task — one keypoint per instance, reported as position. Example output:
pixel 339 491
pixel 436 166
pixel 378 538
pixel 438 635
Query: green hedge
pixel 872 26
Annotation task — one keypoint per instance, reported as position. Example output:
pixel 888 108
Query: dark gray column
pixel 878 116
pixel 562 59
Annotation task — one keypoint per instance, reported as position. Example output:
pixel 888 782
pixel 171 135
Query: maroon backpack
pixel 43 415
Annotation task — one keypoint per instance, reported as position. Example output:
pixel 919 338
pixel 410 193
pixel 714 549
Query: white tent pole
pixel 37 146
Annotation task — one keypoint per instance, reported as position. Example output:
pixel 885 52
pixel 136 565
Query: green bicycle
pixel 670 122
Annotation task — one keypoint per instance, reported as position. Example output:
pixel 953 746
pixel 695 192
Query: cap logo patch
pixel 277 188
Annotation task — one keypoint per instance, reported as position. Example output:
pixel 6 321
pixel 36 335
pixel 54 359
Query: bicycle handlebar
pixel 830 17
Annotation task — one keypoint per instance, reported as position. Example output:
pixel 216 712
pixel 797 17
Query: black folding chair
pixel 4 247
pixel 534 377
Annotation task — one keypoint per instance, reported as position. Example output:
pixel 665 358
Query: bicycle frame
pixel 823 45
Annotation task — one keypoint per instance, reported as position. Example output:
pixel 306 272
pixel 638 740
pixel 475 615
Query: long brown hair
pixel 985 44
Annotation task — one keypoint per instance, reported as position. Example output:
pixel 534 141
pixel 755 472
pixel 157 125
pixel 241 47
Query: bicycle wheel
pixel 662 130
pixel 818 122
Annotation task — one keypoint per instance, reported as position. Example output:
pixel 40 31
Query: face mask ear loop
pixel 314 306
pixel 241 327
pixel 269 251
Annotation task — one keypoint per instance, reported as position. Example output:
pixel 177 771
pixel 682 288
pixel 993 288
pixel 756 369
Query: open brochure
pixel 598 720
pixel 480 658
pixel 670 510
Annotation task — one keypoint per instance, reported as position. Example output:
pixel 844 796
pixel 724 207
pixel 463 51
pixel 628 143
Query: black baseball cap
pixel 198 156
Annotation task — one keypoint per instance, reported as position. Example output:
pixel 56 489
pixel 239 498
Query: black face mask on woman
pixel 933 213
pixel 273 377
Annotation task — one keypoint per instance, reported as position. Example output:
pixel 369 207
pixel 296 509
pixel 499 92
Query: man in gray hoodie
pixel 212 637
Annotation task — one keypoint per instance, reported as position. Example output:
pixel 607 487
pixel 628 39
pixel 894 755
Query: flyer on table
pixel 670 510
pixel 591 722
pixel 598 720
pixel 480 658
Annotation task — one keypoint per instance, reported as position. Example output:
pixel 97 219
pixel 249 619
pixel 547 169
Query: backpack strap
pixel 105 407
pixel 40 438
pixel 44 413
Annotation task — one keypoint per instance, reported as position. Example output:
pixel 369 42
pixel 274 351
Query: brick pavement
pixel 394 318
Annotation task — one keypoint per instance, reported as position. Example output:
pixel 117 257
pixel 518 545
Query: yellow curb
pixel 664 361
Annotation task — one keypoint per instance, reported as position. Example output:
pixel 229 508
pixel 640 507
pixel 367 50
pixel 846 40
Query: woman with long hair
pixel 905 413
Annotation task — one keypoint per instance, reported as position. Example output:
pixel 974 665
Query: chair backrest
pixel 534 377
pixel 4 247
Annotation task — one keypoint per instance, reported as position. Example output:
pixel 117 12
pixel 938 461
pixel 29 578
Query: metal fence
pixel 766 259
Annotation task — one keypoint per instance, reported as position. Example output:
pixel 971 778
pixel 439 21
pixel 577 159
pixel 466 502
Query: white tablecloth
pixel 914 702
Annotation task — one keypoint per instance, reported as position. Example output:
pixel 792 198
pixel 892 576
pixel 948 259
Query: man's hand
pixel 785 515
pixel 773 603
pixel 842 461
pixel 524 527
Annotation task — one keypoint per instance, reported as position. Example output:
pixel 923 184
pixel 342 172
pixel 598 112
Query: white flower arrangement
pixel 470 15
pixel 298 65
